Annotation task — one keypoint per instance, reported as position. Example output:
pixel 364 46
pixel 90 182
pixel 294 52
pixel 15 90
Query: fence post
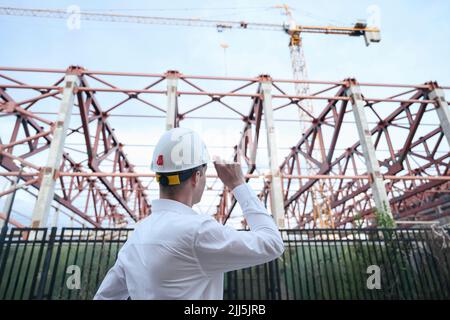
pixel 55 266
pixel 272 280
pixel 46 267
pixel 3 233
pixel 4 255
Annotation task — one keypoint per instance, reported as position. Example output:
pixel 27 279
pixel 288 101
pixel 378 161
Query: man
pixel 176 253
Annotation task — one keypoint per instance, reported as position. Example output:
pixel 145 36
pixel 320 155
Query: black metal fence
pixel 316 264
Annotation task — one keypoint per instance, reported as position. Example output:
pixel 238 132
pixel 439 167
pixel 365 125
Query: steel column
pixel 276 190
pixel 365 137
pixel 47 188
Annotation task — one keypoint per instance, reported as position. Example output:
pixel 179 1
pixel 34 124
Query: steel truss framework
pixel 413 156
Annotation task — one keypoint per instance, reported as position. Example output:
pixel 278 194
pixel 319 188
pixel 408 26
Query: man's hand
pixel 230 173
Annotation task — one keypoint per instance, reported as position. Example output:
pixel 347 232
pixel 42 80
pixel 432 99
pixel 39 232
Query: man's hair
pixel 175 188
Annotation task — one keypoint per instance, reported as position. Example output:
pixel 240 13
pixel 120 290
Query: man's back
pixel 159 260
pixel 176 253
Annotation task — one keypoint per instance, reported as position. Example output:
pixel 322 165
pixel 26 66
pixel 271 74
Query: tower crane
pixel 371 34
pixel 294 30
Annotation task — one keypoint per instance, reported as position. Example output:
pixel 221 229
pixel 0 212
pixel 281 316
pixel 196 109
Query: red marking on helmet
pixel 160 160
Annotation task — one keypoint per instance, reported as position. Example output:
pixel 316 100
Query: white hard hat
pixel 179 149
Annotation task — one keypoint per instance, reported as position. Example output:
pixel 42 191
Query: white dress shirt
pixel 176 253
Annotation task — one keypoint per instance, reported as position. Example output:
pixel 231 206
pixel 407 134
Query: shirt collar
pixel 171 205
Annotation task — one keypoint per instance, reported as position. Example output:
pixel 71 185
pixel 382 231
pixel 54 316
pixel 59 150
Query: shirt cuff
pixel 248 200
pixel 242 192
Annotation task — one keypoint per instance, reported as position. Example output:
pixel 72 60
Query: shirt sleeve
pixel 114 286
pixel 221 248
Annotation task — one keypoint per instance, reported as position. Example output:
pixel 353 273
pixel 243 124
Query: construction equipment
pixel 294 30
pixel 359 29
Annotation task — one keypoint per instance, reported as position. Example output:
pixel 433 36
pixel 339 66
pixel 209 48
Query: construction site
pixel 355 173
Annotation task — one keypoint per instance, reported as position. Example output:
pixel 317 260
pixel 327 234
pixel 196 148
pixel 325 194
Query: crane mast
pixel 320 202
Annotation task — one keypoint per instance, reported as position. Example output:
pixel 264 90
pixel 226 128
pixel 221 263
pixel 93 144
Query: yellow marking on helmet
pixel 175 179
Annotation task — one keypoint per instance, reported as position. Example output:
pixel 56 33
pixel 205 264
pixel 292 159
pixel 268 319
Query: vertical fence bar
pixel 3 236
pixel 101 255
pixel 68 251
pixel 338 262
pixel 285 270
pixel 365 263
pixel 421 294
pixel 402 268
pixel 291 269
pixel 39 237
pixel 55 267
pixel 15 249
pixel 323 294
pixel 356 274
pixel 297 258
pixel 227 295
pixel 300 244
pixel 258 278
pixel 409 271
pixel 371 239
pixel 5 245
pixel 81 245
pixel 393 244
pixel 308 243
pixel 432 286
pixel 91 261
pixel 351 284
pixel 22 258
pixel 250 272
pixel 27 270
pixel 46 266
pixel 444 275
pixel 432 263
pixel 278 282
pixel 326 252
pixel 385 252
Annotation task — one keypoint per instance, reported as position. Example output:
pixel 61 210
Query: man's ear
pixel 195 178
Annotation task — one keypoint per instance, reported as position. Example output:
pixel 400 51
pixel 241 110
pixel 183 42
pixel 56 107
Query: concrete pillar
pixel 365 137
pixel 171 114
pixel 442 110
pixel 276 187
pixel 47 187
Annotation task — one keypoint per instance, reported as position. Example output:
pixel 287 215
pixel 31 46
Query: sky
pixel 414 47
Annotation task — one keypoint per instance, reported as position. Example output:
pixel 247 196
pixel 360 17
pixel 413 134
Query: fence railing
pixel 70 263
